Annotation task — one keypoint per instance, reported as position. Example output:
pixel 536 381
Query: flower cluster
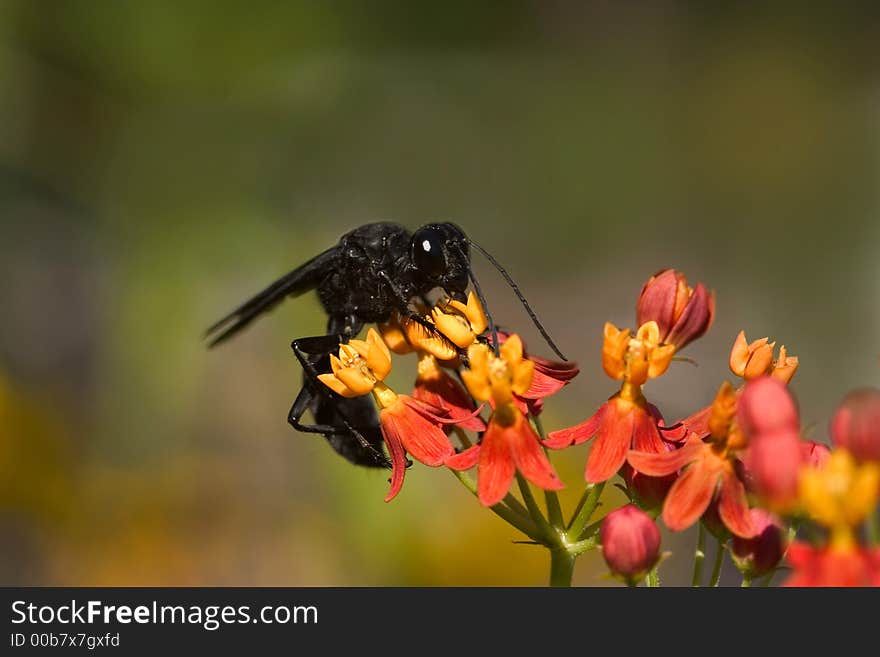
pixel 419 424
pixel 737 468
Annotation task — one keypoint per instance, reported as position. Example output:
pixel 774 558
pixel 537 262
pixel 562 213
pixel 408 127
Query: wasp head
pixel 441 258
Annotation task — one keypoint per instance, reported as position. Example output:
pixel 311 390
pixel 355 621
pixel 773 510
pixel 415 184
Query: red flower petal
pixel 433 413
pixel 697 423
pixel 530 458
pixel 829 567
pixel 733 506
pixel 558 369
pixel 398 463
pixel 496 467
pixel 549 377
pixel 695 319
pixel 690 495
pixel 577 434
pixel 422 438
pixel 464 460
pixel 543 386
pixel 660 465
pixel 609 449
pixel 799 554
pixel 657 300
pixel 646 437
pixel 447 394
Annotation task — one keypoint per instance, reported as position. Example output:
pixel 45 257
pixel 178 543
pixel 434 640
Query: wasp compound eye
pixel 427 251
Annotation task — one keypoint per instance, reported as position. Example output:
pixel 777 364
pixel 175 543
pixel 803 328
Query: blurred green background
pixel 160 161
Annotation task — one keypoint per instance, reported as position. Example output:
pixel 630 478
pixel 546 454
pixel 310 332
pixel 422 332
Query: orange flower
pixel 682 314
pixel 510 443
pixel 709 472
pixel 625 421
pixel 635 359
pixel 548 378
pixel 838 495
pixel 408 425
pixel 750 360
pixel 670 315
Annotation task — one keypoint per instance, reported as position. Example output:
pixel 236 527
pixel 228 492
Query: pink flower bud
pixel 767 413
pixel 766 406
pixel 682 314
pixel 856 424
pixel 630 542
pixel 773 462
pixel 759 555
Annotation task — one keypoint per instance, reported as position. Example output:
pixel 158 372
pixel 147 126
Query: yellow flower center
pixel 360 366
pixel 498 378
pixel 840 494
pixel 460 322
pixel 635 359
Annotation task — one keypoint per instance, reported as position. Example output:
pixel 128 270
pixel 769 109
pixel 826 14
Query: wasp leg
pixel 300 405
pixel 305 350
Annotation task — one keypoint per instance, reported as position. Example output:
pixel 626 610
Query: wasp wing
pixel 302 279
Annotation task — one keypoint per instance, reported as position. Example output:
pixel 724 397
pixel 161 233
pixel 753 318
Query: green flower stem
pixel 554 508
pixel 510 516
pixel 551 536
pixel 766 581
pixel 653 578
pixel 575 549
pixel 716 568
pixel 585 509
pixel 747 582
pixel 561 567
pixel 699 556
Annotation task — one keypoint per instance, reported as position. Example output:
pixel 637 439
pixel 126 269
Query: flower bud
pixel 856 424
pixel 759 555
pixel 682 314
pixel 767 413
pixel 774 461
pixel 630 542
pixel 766 406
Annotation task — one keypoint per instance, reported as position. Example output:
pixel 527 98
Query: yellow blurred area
pixel 160 162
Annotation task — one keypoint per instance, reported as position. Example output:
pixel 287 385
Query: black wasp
pixel 374 271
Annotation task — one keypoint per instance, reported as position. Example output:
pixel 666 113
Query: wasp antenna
pixel 492 328
pixel 519 295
